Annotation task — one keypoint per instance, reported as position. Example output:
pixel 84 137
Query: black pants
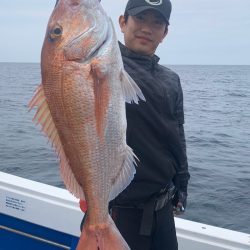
pixel 163 236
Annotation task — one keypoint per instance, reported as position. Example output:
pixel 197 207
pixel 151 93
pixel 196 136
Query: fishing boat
pixel 36 216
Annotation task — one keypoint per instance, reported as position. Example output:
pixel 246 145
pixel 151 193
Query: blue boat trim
pixel 34 237
pixel 19 234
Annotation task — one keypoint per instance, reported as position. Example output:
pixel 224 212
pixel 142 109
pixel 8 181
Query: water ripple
pixel 216 100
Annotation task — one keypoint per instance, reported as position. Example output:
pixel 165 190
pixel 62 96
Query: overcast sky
pixel 200 32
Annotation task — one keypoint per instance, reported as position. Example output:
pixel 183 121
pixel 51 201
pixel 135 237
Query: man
pixel 143 212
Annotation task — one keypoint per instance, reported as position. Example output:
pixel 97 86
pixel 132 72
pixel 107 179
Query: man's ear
pixel 165 33
pixel 122 23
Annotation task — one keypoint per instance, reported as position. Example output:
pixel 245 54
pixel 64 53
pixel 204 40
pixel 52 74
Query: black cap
pixel 164 7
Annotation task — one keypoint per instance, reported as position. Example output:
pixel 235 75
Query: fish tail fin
pixel 101 237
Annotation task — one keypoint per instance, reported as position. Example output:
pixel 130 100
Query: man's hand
pixel 179 202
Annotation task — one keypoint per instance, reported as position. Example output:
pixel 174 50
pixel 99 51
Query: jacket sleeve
pixel 182 175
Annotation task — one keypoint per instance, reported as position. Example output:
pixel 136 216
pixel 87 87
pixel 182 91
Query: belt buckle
pixel 162 200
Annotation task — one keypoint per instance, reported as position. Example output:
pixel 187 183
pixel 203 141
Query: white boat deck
pixel 57 209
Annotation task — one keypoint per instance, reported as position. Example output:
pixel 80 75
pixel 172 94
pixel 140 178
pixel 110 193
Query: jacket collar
pixel 149 62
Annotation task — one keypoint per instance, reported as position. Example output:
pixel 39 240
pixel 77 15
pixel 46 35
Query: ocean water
pixel 217 115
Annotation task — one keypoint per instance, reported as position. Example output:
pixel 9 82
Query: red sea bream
pixel 81 108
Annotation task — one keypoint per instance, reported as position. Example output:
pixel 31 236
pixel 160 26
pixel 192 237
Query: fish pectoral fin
pixel 131 91
pixel 125 175
pixel 102 95
pixel 44 118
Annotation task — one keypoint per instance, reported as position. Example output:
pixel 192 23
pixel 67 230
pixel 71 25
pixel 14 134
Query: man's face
pixel 144 32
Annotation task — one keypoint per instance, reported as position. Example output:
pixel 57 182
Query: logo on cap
pixel 154 2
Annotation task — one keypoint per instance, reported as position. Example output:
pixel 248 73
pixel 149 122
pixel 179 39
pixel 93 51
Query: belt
pixel 155 204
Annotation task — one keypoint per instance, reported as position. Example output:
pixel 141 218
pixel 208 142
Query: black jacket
pixel 155 129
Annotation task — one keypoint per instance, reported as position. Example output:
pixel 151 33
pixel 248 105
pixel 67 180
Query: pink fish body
pixel 81 108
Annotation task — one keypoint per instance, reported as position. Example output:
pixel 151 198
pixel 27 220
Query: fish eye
pixel 57 31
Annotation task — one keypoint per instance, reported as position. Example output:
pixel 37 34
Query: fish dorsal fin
pixel 125 175
pixel 131 91
pixel 44 118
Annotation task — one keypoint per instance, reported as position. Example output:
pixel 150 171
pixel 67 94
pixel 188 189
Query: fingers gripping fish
pixel 81 108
